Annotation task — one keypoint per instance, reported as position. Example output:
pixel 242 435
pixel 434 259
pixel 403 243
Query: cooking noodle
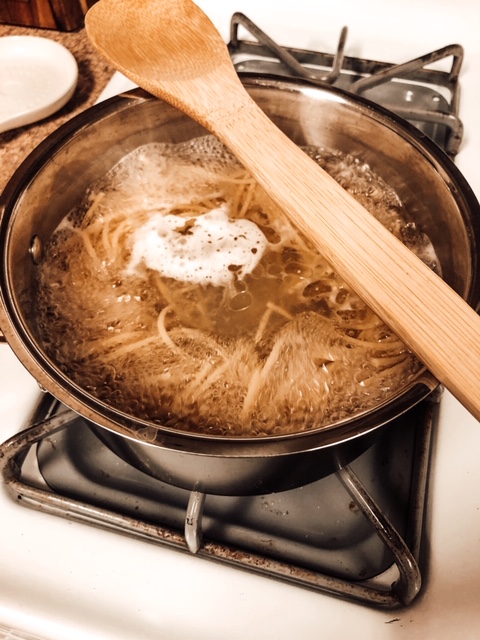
pixel 177 292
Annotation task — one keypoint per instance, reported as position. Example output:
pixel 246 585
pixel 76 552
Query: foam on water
pixel 207 249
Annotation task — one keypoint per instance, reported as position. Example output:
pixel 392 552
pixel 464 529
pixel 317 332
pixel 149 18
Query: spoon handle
pixel 171 49
pixel 433 320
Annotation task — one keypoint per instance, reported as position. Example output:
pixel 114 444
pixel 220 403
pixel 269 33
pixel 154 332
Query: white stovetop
pixel 79 582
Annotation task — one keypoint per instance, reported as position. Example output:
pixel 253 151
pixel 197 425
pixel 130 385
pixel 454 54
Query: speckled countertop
pixel 94 73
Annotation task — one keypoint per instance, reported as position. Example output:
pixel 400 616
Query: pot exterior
pixel 234 476
pixel 53 179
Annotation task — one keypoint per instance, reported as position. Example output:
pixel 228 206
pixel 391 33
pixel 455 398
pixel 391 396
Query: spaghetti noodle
pixel 277 347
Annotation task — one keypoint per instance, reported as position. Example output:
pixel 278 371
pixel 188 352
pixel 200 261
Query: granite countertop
pixel 94 74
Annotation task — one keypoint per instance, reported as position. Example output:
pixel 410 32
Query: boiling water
pixel 177 292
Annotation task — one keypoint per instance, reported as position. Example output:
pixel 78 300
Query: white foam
pixel 206 249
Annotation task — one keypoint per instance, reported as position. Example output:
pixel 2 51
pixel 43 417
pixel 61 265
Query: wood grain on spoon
pixel 171 49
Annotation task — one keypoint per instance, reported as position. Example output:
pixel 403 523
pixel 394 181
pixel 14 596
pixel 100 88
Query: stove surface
pixel 61 579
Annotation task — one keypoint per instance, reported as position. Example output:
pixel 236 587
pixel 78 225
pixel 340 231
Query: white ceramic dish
pixel 37 77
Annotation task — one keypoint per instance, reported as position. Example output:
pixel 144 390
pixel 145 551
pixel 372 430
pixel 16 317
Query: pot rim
pixel 50 378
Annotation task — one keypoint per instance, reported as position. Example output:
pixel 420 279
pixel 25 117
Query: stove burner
pixel 426 97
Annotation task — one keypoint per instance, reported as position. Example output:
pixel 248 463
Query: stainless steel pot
pixel 52 180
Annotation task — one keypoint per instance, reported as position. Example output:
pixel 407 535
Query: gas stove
pixel 78 576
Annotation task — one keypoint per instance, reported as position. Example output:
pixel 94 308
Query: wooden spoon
pixel 171 49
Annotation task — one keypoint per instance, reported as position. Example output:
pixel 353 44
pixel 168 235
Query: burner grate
pixel 192 528
pixel 426 97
